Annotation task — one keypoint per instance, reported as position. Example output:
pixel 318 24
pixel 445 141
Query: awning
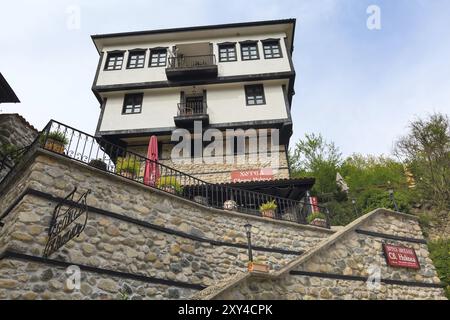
pixel 294 189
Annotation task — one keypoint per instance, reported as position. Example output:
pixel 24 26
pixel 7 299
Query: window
pixel 114 61
pixel 132 103
pixel 254 94
pixel 136 59
pixel 249 50
pixel 272 49
pixel 227 52
pixel 158 57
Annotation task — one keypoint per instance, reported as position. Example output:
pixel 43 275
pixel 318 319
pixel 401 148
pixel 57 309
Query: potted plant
pixel 128 167
pixel 257 266
pixel 54 141
pixel 268 209
pixel 169 184
pixel 317 219
pixel 98 163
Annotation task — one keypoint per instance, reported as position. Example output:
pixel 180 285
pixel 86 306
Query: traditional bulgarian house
pixel 235 78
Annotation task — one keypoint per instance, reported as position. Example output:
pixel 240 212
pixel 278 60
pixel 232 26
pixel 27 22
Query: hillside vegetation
pixel 414 179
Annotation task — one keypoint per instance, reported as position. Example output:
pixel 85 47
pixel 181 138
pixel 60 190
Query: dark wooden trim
pixel 137 50
pixel 144 224
pixel 258 124
pixel 141 95
pixel 196 28
pixel 279 48
pixel 100 118
pixel 119 274
pixel 390 236
pixel 99 65
pixel 247 87
pixel 187 83
pixel 286 101
pixel 364 279
pixel 227 44
pixel 249 42
pixel 160 49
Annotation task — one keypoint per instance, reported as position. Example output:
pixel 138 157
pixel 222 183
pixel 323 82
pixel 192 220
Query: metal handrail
pixel 192 108
pixel 196 61
pixel 116 160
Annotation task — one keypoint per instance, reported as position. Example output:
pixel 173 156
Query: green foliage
pixel 127 164
pixel 440 254
pixel 270 205
pixel 426 150
pixel 315 215
pixel 314 156
pixel 7 148
pixel 169 182
pixel 55 136
pixel 373 198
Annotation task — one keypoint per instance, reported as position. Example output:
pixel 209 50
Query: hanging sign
pixel 68 221
pixel 402 257
pixel 252 175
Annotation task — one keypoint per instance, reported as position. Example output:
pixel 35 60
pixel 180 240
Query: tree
pixel 314 156
pixel 426 151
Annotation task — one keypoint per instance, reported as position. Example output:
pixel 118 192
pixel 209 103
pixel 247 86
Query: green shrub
pixel 169 182
pixel 268 206
pixel 55 136
pixel 315 215
pixel 440 254
pixel 128 165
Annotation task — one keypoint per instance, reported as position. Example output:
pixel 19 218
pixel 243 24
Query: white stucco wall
pixel 225 69
pixel 226 103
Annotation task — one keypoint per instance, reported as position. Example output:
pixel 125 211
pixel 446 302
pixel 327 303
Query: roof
pixel 20 118
pixel 97 37
pixel 7 94
pixel 294 189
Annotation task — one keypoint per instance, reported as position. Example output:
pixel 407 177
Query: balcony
pixel 191 111
pixel 185 67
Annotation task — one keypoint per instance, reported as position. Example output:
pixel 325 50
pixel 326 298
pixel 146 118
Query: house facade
pixel 235 79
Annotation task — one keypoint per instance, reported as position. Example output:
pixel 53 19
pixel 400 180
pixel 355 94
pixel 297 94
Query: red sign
pixel 314 204
pixel 402 257
pixel 252 175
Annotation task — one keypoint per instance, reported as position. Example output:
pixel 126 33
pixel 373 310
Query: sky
pixel 357 87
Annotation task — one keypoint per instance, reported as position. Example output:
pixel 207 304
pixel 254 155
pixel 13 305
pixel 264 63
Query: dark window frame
pixel 250 91
pixel 114 54
pixel 134 52
pixel 232 45
pixel 272 43
pixel 135 97
pixel 249 43
pixel 157 51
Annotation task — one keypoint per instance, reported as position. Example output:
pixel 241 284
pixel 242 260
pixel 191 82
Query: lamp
pixel 391 196
pixel 248 229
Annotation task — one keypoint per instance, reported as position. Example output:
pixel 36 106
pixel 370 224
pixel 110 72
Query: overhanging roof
pixel 294 189
pixel 101 39
pixel 7 94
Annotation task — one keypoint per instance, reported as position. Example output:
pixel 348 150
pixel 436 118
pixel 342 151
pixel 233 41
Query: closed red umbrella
pixel 151 174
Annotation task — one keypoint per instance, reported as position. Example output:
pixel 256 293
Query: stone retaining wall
pixel 114 244
pixel 331 266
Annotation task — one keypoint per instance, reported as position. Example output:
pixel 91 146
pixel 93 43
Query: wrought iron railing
pixel 187 62
pixel 192 108
pixel 113 159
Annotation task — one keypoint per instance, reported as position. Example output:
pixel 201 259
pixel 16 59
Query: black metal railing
pixel 9 160
pixel 188 62
pixel 113 159
pixel 192 108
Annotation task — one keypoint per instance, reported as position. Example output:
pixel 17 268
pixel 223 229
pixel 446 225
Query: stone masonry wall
pixel 354 254
pixel 111 243
pixel 221 172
